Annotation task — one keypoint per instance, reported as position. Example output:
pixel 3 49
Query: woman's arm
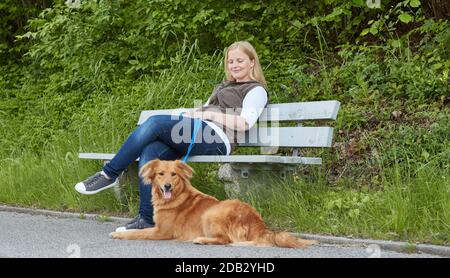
pixel 234 122
pixel 252 107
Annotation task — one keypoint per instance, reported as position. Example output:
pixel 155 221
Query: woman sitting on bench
pixel 233 107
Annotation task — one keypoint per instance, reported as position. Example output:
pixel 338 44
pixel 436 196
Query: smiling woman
pixel 239 65
pixel 242 63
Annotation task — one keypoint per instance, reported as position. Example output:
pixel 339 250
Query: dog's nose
pixel 167 186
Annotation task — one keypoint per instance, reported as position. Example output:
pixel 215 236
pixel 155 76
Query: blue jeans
pixel 161 137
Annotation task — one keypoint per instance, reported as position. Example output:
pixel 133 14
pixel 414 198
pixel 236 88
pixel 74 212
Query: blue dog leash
pixel 197 124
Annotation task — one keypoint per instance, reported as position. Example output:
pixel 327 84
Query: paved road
pixel 31 236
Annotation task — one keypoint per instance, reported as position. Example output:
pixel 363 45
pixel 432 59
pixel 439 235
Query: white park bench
pixel 238 169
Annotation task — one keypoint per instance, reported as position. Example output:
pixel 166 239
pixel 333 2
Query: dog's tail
pixel 284 239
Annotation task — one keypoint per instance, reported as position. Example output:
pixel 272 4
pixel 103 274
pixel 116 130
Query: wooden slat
pixel 295 111
pixel 301 111
pixel 256 159
pixel 175 112
pixel 226 158
pixel 99 156
pixel 288 137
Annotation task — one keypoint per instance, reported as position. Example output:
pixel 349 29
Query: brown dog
pixel 184 213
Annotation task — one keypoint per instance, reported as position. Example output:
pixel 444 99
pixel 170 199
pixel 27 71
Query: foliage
pixel 13 19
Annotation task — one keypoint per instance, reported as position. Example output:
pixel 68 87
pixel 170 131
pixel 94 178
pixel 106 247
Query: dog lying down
pixel 182 212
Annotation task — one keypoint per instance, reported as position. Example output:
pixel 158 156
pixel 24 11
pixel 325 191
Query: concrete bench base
pixel 238 179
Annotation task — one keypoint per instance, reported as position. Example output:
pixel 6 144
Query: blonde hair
pixel 256 72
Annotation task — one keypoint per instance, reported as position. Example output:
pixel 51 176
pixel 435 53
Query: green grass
pixel 409 206
pixel 47 181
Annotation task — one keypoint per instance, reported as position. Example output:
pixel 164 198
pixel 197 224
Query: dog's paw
pixel 115 235
pixel 198 240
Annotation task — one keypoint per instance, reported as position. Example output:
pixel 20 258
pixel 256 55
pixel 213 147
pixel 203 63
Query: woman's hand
pixel 231 121
pixel 198 114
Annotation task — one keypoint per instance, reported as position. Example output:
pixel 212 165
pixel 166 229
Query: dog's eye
pixel 173 174
pixel 161 173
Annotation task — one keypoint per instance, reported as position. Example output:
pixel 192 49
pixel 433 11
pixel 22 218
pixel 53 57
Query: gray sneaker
pixel 94 184
pixel 136 224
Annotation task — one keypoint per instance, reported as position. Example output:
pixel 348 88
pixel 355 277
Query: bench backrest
pixel 274 136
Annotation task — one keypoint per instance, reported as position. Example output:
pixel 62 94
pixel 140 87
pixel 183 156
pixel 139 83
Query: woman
pixel 233 108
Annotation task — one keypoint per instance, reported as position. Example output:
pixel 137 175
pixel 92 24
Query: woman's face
pixel 239 65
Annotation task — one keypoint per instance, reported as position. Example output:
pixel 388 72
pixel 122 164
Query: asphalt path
pixel 24 235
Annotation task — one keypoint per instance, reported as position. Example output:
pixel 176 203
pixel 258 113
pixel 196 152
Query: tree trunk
pixel 438 9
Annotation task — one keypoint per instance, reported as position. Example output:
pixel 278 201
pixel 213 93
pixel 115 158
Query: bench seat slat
pixel 295 111
pixel 301 111
pixel 227 158
pixel 292 137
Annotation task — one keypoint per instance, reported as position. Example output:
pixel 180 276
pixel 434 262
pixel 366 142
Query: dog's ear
pixel 147 172
pixel 184 170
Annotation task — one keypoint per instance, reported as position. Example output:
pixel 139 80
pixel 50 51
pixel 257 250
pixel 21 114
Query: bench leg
pixel 239 178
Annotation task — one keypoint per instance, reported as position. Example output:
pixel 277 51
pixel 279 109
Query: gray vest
pixel 227 98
